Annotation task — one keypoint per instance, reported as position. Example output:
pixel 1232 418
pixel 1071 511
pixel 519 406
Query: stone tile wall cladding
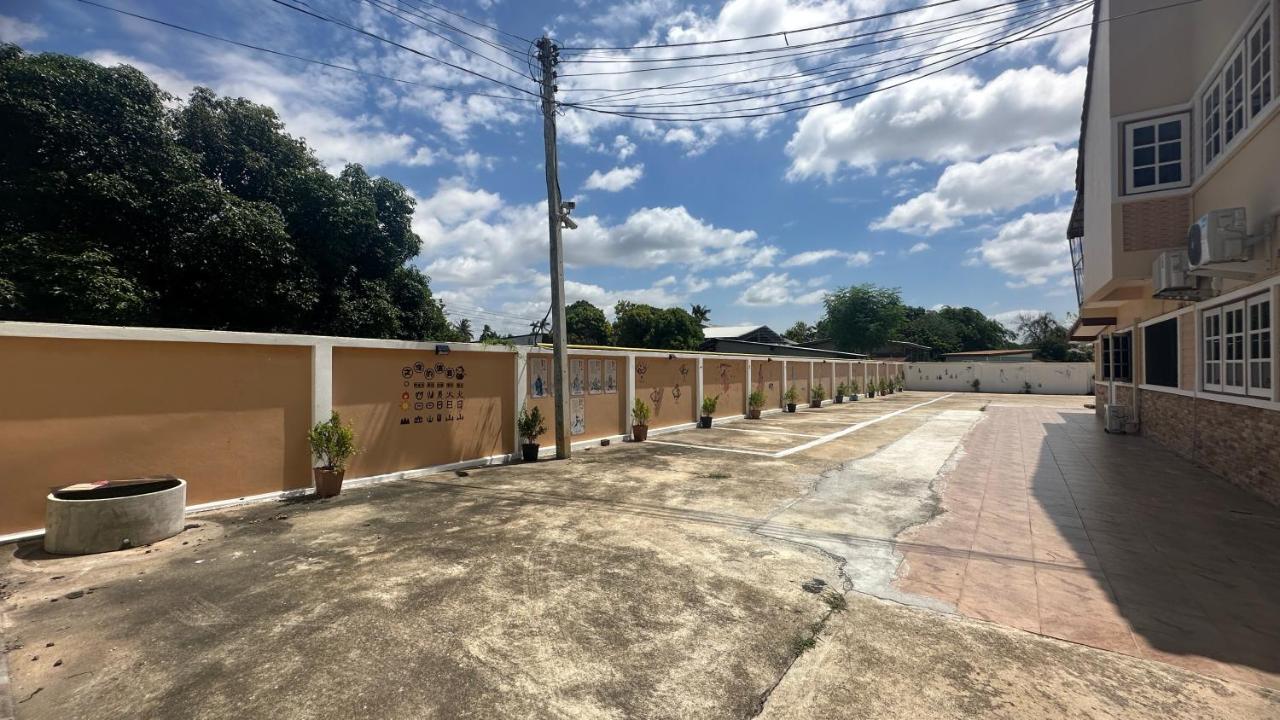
pixel 1155 224
pixel 1238 442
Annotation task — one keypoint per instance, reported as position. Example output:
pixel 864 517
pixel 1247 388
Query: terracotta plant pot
pixel 529 452
pixel 639 433
pixel 753 413
pixel 791 407
pixel 704 422
pixel 328 481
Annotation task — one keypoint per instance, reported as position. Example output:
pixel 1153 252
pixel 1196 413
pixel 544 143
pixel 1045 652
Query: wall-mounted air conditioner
pixel 1220 236
pixel 1171 281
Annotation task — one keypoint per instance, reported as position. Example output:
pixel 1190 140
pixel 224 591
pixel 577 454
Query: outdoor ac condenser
pixel 1219 236
pixel 1116 418
pixel 1171 281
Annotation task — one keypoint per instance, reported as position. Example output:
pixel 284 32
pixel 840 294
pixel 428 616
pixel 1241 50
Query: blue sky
pixel 954 187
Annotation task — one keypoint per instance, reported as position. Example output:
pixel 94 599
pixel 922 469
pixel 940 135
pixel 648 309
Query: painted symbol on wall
pixel 459 373
pixel 404 421
pixel 578 416
pixel 684 371
pixel 656 398
pixel 725 376
pixel 675 392
pixel 595 382
pixel 417 420
pixel 641 369
pixel 577 379
pixel 439 368
pixel 611 377
pixel 419 367
pixel 406 372
pixel 539 377
pixel 404 406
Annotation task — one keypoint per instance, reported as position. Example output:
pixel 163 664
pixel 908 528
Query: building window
pixel 1233 96
pixel 1237 348
pixel 1116 357
pixel 1259 345
pixel 1156 154
pixel 1160 353
pixel 1212 125
pixel 1258 43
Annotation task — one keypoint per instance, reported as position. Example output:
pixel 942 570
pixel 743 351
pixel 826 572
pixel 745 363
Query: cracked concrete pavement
pixel 636 581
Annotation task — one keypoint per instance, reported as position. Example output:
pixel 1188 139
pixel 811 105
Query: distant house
pixel 762 340
pixel 748 333
pixel 991 356
pixel 903 351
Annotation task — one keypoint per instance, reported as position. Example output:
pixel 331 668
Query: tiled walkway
pixel 1053 526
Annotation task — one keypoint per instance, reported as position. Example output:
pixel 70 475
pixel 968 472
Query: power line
pixel 300 58
pixel 393 43
pixel 395 11
pixel 460 16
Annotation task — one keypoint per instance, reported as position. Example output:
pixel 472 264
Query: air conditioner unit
pixel 1171 281
pixel 1116 419
pixel 1220 236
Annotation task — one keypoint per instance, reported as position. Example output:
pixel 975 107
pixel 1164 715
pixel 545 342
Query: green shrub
pixel 531 424
pixel 332 442
pixel 709 405
pixel 817 395
pixel 756 399
pixel 790 395
pixel 640 413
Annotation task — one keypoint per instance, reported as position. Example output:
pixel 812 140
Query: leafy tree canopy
pixel 585 324
pixel 1050 339
pixel 864 317
pixel 645 326
pixel 119 206
pixel 801 332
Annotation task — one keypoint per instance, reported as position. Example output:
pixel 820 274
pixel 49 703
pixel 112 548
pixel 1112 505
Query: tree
pixel 864 317
pixel 487 334
pixel 700 313
pixel 1046 335
pixel 585 324
pixel 801 332
pixel 463 329
pixel 120 206
pixel 949 330
pixel 645 326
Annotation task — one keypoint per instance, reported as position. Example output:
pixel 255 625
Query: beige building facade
pixel 1173 237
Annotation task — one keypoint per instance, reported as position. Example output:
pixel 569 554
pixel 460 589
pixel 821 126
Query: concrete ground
pixel 756 569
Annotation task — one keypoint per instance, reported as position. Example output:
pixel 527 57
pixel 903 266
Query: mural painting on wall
pixel 577 379
pixel 726 376
pixel 577 416
pixel 595 384
pixel 432 393
pixel 641 369
pixel 611 376
pixel 540 377
pixel 655 397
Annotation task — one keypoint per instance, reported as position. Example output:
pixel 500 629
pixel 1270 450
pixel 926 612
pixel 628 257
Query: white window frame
pixel 1258 342
pixel 1211 349
pixel 1239 49
pixel 1130 128
pixel 1211 123
pixel 1260 72
pixel 1235 115
pixel 1235 358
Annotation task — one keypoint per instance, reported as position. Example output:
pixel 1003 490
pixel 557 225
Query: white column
pixel 321 383
pixel 697 393
pixel 811 377
pixel 631 394
pixel 782 387
pixel 521 380
pixel 746 388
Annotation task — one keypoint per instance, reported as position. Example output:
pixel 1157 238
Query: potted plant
pixel 854 388
pixel 332 443
pixel 755 401
pixel 708 410
pixel 531 426
pixel 639 421
pixel 976 385
pixel 871 388
pixel 886 387
pixel 789 397
pixel 816 397
pixel 841 390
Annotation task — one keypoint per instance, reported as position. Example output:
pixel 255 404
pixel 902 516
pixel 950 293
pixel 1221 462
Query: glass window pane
pixel 1170 152
pixel 1145 135
pixel 1171 130
pixel 1144 156
pixel 1145 177
pixel 1170 173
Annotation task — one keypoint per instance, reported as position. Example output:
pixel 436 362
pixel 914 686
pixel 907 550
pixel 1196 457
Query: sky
pixel 954 186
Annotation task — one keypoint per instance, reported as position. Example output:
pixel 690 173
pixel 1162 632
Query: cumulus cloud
pixel 737 278
pixel 1032 249
pixel 857 258
pixel 918 248
pixel 19 32
pixel 1000 182
pixel 942 118
pixel 779 289
pixel 619 178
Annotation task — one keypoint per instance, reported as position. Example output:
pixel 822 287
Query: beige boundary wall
pixel 229 411
pixel 1064 378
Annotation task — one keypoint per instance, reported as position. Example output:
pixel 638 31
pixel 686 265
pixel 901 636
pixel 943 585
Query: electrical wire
pixel 300 58
pixel 406 48
pixel 473 21
pixel 395 12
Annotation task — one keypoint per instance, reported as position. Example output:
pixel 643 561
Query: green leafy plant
pixel 842 389
pixel 531 424
pixel 790 395
pixel 756 399
pixel 709 405
pixel 640 413
pixel 333 442
pixel 855 387
pixel 817 395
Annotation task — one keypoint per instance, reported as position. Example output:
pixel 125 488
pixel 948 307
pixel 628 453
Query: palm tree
pixel 701 313
pixel 464 330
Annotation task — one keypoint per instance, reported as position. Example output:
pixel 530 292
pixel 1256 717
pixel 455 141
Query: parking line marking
pixel 709 447
pixel 854 428
pixel 767 432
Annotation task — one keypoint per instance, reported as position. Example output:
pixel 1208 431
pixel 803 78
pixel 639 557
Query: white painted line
pixel 710 447
pixel 765 432
pixel 854 428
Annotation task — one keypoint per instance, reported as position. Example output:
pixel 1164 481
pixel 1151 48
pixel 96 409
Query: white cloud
pixel 860 258
pixel 941 118
pixel 1000 182
pixel 624 147
pixel 1032 248
pixel 918 248
pixel 19 32
pixel 778 289
pixel 737 278
pixel 619 178
pixel 811 257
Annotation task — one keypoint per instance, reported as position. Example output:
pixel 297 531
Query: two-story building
pixel 1173 237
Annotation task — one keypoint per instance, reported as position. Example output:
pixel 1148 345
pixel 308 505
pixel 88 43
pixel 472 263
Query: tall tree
pixel 801 332
pixel 487 334
pixel 119 205
pixel 700 313
pixel 585 324
pixel 463 329
pixel 645 326
pixel 976 331
pixel 864 317
pixel 1048 337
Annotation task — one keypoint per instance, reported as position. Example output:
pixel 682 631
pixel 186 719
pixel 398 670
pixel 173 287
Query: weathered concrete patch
pixel 857 509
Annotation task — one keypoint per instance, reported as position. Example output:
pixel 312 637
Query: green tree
pixel 463 329
pixel 487 334
pixel 701 313
pixel 976 331
pixel 801 332
pixel 931 329
pixel 864 317
pixel 645 326
pixel 119 205
pixel 1047 336
pixel 585 324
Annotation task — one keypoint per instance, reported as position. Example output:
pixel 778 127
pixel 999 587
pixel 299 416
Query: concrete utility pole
pixel 548 56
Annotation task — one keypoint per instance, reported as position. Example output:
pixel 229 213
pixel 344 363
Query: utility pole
pixel 548 56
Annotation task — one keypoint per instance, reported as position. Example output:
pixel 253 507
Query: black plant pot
pixel 704 422
pixel 839 399
pixel 791 407
pixel 529 452
pixel 854 397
